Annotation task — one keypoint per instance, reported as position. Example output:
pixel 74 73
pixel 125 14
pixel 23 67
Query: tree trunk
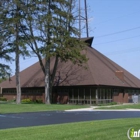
pixel 47 81
pixel 18 88
pixel 54 70
pixel 47 63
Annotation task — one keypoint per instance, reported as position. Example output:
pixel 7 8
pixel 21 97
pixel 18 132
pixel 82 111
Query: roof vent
pixel 120 75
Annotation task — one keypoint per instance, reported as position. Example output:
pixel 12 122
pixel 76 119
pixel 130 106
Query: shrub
pixel 39 101
pixel 3 99
pixel 113 103
pixel 29 101
pixel 26 101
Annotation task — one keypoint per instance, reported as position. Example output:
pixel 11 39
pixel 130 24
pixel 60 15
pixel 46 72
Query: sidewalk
pixel 92 109
pixel 95 108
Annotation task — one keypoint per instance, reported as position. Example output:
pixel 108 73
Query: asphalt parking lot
pixel 58 117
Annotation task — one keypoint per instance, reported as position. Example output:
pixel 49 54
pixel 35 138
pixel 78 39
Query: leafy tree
pixel 4 51
pixel 47 26
pixel 4 69
pixel 12 37
pixel 51 33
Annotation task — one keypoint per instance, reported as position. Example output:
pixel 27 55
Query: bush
pixel 26 101
pixel 3 99
pixel 113 103
pixel 29 101
pixel 39 101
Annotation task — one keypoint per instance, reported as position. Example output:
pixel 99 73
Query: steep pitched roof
pixel 100 71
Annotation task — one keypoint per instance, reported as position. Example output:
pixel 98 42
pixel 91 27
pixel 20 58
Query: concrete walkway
pixel 127 109
pixel 92 109
pixel 96 108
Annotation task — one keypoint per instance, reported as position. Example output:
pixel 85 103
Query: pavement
pixel 15 120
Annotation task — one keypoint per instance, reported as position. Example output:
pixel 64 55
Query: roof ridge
pixel 94 81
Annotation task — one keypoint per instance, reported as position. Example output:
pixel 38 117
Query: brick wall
pixel 125 98
pixel 32 97
pixel 9 97
pixel 120 98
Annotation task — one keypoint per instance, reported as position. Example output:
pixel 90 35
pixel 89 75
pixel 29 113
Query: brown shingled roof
pixel 100 71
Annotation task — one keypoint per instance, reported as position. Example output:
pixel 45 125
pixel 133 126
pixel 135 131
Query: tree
pixel 4 52
pixel 51 33
pixel 12 37
pixel 4 69
pixel 47 26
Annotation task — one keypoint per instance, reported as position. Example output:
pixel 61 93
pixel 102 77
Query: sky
pixel 115 26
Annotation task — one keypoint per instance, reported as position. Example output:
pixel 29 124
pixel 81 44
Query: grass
pixel 130 106
pixel 14 108
pixel 92 130
pixel 108 104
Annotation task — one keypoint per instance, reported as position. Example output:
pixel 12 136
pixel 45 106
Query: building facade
pixel 102 81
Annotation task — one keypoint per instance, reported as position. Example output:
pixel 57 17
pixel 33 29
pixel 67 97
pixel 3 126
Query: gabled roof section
pixel 100 71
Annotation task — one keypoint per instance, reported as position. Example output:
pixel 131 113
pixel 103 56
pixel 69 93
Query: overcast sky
pixel 115 25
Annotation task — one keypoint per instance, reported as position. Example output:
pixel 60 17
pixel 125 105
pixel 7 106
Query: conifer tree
pixel 51 33
pixel 47 27
pixel 11 24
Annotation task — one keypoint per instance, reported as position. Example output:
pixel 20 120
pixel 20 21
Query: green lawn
pixel 130 106
pixel 14 108
pixel 92 130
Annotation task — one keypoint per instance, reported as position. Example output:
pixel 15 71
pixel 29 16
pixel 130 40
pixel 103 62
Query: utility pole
pixel 83 17
pixel 86 18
